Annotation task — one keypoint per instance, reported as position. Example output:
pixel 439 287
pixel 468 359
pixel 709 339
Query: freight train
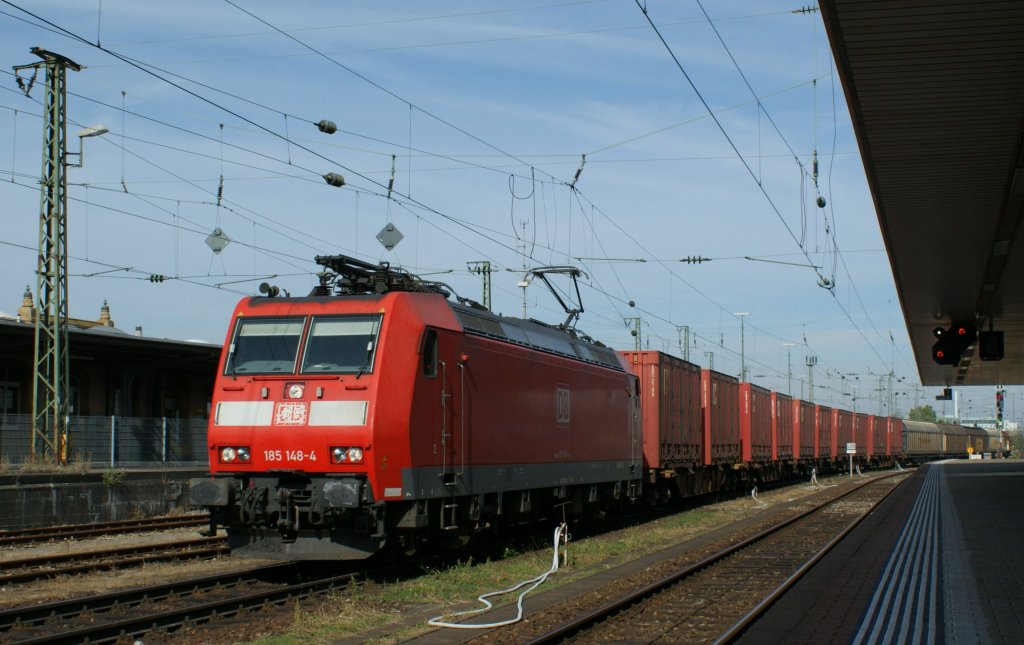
pixel 377 411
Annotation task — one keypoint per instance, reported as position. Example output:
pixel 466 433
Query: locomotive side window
pixel 341 344
pixel 264 346
pixel 429 353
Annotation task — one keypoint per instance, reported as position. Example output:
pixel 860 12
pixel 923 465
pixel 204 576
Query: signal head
pixel 965 331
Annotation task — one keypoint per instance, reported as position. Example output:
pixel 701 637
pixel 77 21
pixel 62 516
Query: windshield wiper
pixel 366 363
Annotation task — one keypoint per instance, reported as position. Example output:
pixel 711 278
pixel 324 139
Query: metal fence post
pixel 113 439
pixel 163 440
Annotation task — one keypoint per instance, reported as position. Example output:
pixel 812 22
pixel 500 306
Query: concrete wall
pixel 28 501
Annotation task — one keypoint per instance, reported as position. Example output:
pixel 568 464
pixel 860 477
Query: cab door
pixel 450 440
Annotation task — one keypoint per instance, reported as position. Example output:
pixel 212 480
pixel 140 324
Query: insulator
pixel 334 179
pixel 327 127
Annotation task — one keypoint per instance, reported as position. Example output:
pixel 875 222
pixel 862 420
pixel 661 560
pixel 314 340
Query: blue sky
pixel 487 109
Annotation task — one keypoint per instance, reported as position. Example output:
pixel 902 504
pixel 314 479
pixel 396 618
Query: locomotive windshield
pixel 341 344
pixel 264 346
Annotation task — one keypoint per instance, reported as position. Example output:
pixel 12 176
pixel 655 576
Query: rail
pixel 591 618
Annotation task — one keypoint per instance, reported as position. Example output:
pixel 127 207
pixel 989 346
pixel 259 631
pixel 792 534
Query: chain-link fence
pixel 109 442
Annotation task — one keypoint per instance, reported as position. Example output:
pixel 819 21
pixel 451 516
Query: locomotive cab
pixel 289 436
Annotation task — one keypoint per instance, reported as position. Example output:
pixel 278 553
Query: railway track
pixel 76 531
pixel 131 613
pixel 161 609
pixel 713 598
pixel 50 566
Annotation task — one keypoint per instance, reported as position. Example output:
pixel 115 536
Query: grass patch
pixel 36 464
pixel 113 477
pixel 389 613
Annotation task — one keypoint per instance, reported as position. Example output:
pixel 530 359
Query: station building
pixel 132 398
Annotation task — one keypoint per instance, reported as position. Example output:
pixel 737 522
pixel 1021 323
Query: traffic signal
pixel 953 342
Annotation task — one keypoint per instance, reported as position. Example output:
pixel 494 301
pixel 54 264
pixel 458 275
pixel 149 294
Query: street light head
pixel 94 131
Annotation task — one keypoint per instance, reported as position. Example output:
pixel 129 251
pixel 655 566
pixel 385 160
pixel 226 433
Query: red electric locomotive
pixel 376 410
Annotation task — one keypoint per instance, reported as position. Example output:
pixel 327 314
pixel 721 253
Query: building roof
pixel 936 93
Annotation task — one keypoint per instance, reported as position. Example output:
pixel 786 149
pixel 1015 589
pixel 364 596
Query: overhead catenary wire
pixel 823 280
pixel 722 130
pixel 428 219
pixel 146 69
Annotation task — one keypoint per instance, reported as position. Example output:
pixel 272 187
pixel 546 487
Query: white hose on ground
pixel 436 621
pixel 753 495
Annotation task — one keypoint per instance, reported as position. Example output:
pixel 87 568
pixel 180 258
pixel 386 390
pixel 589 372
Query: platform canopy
pixel 936 93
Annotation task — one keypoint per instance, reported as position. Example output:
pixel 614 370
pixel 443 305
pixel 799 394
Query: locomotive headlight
pixel 235 454
pixel 295 390
pixel 346 455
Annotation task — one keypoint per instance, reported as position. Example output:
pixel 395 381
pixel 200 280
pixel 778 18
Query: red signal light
pixel 952 343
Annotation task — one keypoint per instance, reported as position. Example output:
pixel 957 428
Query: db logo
pixel 289 413
pixel 562 406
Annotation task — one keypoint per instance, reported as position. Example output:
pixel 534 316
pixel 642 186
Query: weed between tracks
pixel 389 613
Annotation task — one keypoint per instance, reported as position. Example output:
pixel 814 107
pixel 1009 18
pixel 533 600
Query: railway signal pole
pixel 483 268
pixel 50 389
pixel 684 341
pixel 636 331
pixel 789 368
pixel 743 358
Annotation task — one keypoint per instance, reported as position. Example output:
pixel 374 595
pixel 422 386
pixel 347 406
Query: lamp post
pixel 743 362
pixel 811 361
pixel 94 131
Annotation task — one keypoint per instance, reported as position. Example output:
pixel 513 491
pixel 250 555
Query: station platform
pixel 939 561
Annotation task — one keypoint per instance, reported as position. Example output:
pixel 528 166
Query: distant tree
pixel 1017 443
pixel 923 413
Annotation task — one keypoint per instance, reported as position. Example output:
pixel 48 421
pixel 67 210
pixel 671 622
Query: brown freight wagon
pixel 670 407
pixel 755 423
pixel 783 435
pixel 805 430
pixel 720 404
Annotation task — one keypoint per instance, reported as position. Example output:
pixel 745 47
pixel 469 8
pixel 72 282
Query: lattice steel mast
pixel 50 389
